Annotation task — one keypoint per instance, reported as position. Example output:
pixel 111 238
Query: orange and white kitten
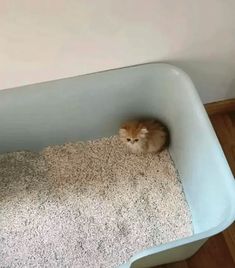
pixel 144 136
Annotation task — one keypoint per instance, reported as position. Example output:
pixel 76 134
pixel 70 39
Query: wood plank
pixel 224 125
pixel 214 254
pixel 181 264
pixel 229 236
pixel 220 107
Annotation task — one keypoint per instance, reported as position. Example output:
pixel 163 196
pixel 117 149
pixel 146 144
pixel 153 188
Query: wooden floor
pixel 218 251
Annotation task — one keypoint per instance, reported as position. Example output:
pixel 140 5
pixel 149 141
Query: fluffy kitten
pixel 144 136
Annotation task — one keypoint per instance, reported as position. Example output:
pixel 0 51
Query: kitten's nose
pixel 132 141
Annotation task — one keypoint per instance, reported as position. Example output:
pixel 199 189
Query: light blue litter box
pixel 92 106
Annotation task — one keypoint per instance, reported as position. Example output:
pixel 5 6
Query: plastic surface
pixel 93 106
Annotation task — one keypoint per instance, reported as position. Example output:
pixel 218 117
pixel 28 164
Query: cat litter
pixel 90 205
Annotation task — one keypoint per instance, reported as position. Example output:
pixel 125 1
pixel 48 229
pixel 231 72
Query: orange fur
pixel 144 136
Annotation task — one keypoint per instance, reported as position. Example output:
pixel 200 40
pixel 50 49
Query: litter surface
pixel 90 205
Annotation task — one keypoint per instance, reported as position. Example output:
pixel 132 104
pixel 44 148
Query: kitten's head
pixel 134 135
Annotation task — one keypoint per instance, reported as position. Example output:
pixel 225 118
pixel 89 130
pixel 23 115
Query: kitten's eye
pixel 136 140
pixel 128 139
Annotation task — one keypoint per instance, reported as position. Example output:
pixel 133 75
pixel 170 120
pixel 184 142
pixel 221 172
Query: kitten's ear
pixel 122 131
pixel 144 130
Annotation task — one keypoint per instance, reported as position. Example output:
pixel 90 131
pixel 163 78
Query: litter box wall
pixel 93 106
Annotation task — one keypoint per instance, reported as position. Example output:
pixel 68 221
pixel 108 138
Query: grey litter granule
pixel 87 205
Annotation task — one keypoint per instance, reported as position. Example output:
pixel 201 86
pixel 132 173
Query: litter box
pixel 92 106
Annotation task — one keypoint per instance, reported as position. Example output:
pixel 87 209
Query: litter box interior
pixel 93 106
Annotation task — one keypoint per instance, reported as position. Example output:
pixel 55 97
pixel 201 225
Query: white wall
pixel 47 39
